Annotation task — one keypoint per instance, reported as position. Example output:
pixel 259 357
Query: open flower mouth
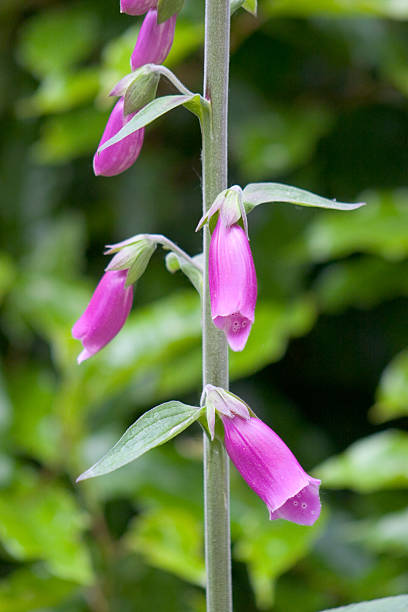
pixel 236 327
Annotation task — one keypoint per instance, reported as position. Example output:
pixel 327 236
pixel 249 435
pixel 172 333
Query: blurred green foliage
pixel 319 100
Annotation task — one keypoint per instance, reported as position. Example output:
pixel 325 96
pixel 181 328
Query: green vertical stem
pixel 215 349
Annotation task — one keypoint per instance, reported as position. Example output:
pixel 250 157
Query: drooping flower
pixel 137 7
pixel 154 41
pixel 105 314
pixel 120 156
pixel 233 285
pixel 271 470
pixel 264 460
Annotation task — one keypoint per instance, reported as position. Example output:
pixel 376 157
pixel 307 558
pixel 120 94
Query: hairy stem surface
pixel 215 349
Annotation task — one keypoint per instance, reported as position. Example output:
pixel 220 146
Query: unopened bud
pixel 142 89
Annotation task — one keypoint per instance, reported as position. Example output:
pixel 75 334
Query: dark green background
pixel 318 99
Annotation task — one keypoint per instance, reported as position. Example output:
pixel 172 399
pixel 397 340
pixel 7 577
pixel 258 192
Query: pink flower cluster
pixel 152 47
pixel 261 457
pixel 112 300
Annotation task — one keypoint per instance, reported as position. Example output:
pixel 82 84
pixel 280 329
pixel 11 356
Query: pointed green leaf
pixel 168 8
pixel 153 428
pixel 261 193
pixel 388 604
pixel 149 113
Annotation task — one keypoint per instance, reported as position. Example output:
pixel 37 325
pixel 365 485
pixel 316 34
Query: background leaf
pixel 393 604
pixel 370 464
pixel 40 520
pixel 53 41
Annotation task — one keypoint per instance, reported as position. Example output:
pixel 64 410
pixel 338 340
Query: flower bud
pixel 137 7
pixel 154 41
pixel 121 155
pixel 233 285
pixel 105 314
pixel 142 89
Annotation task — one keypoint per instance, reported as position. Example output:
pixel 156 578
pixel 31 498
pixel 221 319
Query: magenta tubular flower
pixel 233 286
pixel 154 41
pixel 271 470
pixel 120 156
pixel 137 7
pixel 105 314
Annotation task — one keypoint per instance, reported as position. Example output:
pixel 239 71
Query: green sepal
pixel 134 258
pixel 140 264
pixel 168 8
pixel 141 90
pixel 174 263
pixel 262 193
pixel 152 429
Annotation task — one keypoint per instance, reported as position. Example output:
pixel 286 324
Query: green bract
pixel 133 258
pixel 262 193
pixel 154 110
pixel 153 428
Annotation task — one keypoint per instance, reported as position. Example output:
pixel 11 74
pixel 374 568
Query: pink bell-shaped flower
pixel 137 7
pixel 233 286
pixel 105 314
pixel 120 156
pixel 271 470
pixel 154 41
